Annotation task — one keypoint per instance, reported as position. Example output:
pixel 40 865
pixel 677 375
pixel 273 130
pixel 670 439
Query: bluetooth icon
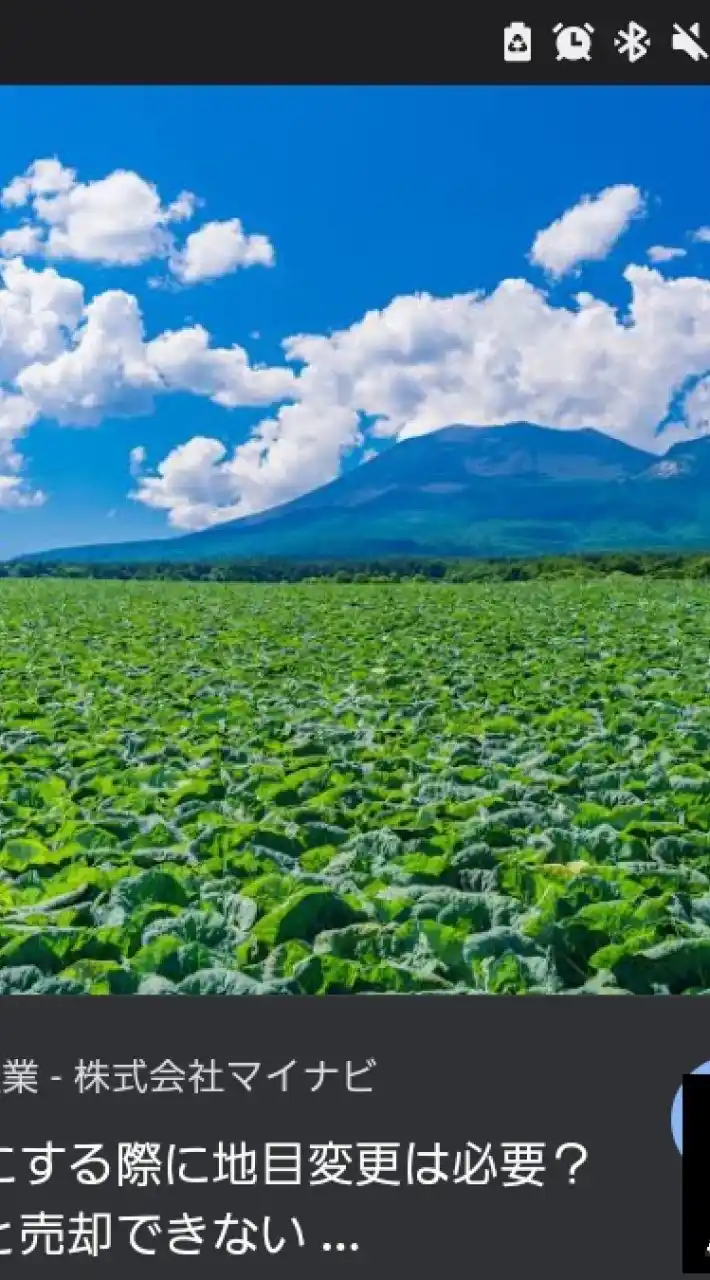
pixel 635 42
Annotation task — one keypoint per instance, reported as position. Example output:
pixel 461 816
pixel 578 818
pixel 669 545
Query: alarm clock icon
pixel 573 43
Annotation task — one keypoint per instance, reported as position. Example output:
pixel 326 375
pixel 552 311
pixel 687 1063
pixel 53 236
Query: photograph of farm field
pixel 320 788
pixel 354 543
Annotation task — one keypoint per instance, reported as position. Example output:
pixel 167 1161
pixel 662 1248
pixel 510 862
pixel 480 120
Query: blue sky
pixel 367 195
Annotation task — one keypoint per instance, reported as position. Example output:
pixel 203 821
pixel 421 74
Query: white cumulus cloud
pixel 42 178
pixel 79 363
pixel 103 373
pixel 185 361
pixel 193 484
pixel 200 483
pixel 218 249
pixel 665 253
pixel 118 220
pixel 588 231
pixel 38 309
pixel 423 363
pixel 15 495
pixel 24 241
pixel 121 220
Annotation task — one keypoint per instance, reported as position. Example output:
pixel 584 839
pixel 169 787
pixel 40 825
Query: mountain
pixel 691 459
pixel 516 490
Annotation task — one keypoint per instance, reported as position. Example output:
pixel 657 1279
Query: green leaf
pixel 305 915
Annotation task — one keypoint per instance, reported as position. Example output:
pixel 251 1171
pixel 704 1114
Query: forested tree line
pixel 643 564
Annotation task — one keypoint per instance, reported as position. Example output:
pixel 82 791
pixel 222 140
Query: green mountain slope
pixel 512 490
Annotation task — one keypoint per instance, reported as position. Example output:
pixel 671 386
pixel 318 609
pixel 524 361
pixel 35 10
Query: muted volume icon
pixel 517 43
pixel 688 41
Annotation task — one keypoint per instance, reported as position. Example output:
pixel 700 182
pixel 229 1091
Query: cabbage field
pixel 326 788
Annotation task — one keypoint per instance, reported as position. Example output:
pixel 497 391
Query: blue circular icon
pixel 677 1108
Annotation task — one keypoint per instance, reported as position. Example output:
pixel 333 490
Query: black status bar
pixel 294 48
